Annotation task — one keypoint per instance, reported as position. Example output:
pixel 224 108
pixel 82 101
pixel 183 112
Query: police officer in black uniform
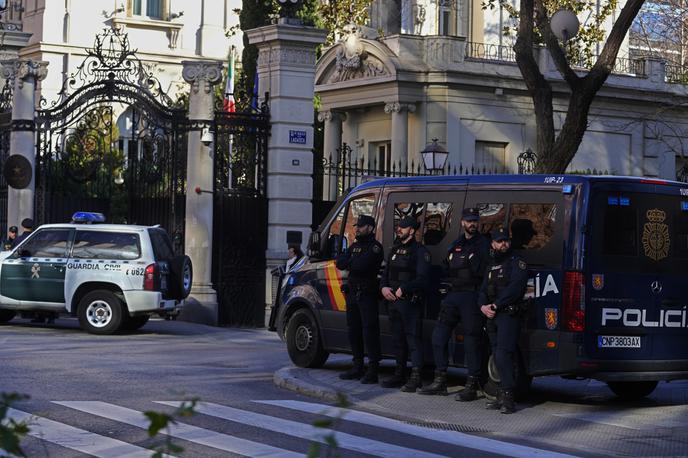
pixel 8 243
pixel 403 280
pixel 465 263
pixel 27 226
pixel 501 300
pixel 363 260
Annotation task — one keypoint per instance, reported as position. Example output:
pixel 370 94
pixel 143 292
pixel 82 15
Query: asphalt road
pixel 87 394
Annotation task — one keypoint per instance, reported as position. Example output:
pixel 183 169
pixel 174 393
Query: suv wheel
pixel 101 312
pixel 523 380
pixel 6 315
pixel 133 323
pixel 182 277
pixel 303 340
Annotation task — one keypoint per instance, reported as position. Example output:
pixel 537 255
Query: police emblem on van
pixel 656 235
pixel 551 318
pixel 597 281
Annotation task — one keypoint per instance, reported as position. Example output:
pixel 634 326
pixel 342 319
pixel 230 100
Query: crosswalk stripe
pixel 78 439
pixel 450 437
pixel 304 431
pixel 180 430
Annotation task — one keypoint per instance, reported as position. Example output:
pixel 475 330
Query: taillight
pixel 574 302
pixel 149 277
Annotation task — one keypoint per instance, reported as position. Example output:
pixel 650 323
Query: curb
pixel 288 378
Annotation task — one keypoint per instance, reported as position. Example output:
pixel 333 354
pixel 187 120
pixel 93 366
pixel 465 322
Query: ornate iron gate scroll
pixel 241 213
pixel 85 161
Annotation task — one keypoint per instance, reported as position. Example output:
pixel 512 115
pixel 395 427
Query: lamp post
pixel 434 157
pixel 526 162
pixel 564 25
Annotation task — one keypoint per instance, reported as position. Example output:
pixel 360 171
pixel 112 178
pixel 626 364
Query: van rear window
pixel 640 232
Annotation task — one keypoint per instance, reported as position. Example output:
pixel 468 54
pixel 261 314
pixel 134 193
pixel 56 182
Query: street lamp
pixel 434 156
pixel 564 25
pixel 526 162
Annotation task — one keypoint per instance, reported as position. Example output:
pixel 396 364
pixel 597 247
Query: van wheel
pixel 629 391
pixel 303 340
pixel 182 277
pixel 101 312
pixel 135 322
pixel 6 315
pixel 523 380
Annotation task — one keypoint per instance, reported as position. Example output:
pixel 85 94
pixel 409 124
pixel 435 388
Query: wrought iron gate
pixel 113 142
pixel 5 132
pixel 241 214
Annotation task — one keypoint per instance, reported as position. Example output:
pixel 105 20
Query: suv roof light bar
pixel 88 218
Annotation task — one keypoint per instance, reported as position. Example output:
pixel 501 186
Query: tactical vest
pixel 460 275
pixel 361 279
pixel 402 266
pixel 498 277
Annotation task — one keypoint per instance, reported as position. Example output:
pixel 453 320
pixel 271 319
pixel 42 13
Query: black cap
pixel 27 223
pixel 500 234
pixel 13 229
pixel 408 221
pixel 365 220
pixel 470 214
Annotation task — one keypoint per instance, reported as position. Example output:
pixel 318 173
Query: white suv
pixel 111 276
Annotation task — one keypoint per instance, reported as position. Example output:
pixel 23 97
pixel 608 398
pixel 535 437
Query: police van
pixel 111 276
pixel 607 259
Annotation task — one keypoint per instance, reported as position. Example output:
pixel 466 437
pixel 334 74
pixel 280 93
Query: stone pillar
pixel 26 73
pixel 332 142
pixel 400 152
pixel 286 69
pixel 201 306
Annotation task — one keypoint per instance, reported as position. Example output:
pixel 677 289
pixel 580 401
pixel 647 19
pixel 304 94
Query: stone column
pixel 399 113
pixel 201 305
pixel 286 69
pixel 332 142
pixel 26 73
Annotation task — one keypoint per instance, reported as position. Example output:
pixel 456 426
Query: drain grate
pixel 447 426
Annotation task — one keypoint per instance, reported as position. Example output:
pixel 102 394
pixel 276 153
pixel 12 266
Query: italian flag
pixel 228 104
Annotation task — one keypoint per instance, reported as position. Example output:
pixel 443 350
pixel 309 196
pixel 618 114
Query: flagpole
pixel 230 108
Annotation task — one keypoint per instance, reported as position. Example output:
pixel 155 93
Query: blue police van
pixel 607 259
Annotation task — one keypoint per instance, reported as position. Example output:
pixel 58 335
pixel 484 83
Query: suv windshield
pixel 162 246
pixel 640 232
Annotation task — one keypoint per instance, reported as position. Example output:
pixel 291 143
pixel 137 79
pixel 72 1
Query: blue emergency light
pixel 612 200
pixel 684 206
pixel 88 217
pixel 625 201
pixel 567 189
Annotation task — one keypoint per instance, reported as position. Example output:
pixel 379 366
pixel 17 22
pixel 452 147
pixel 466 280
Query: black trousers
pixel 363 323
pixel 406 323
pixel 504 330
pixel 460 306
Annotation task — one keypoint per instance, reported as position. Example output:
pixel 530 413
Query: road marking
pixel 182 431
pixel 304 431
pixel 78 439
pixel 449 437
pixel 644 419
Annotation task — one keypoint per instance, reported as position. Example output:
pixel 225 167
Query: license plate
pixel 618 341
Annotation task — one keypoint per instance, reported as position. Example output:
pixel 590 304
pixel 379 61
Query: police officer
pixel 403 280
pixel 27 226
pixel 501 299
pixel 8 243
pixel 466 261
pixel 363 260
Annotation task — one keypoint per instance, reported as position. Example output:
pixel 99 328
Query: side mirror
pixel 314 245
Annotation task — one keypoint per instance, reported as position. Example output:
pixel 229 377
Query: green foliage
pixel 11 432
pixel 162 421
pixel 329 424
pixel 254 13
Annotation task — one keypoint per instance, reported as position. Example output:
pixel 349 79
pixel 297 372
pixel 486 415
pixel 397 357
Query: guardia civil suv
pixel 111 276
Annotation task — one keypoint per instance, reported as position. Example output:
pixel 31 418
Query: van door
pixel 638 266
pixel 438 214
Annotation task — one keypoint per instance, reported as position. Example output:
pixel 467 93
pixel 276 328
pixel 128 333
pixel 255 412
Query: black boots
pixel 438 385
pixel 413 382
pixel 355 373
pixel 396 380
pixel 370 375
pixel 471 391
pixel 505 402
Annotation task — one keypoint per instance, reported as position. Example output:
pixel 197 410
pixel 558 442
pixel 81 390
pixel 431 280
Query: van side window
pixel 364 205
pixel 404 209
pixel 620 231
pixel 492 216
pixel 437 222
pixel 334 239
pixel 532 225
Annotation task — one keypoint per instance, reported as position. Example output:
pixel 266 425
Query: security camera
pixel 206 137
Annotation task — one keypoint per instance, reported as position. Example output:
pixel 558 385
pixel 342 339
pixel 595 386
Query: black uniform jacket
pixel 415 279
pixel 474 254
pixel 509 273
pixel 362 260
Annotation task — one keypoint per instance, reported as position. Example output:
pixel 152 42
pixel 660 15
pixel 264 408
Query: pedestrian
pixel 403 281
pixel 27 228
pixel 295 255
pixel 363 260
pixel 8 243
pixel 501 300
pixel 465 265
